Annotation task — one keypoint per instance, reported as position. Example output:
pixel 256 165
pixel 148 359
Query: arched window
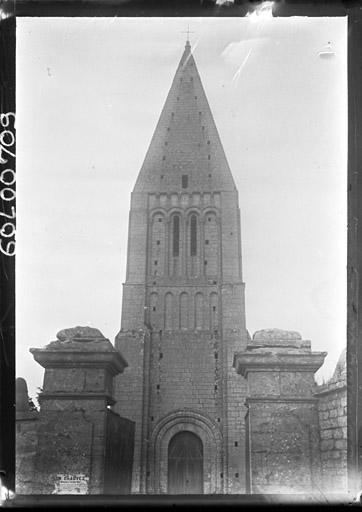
pixel 176 236
pixel 184 311
pixel 199 311
pixel 193 235
pixel 168 311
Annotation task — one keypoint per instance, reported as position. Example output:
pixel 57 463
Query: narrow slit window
pixel 185 181
pixel 176 236
pixel 193 235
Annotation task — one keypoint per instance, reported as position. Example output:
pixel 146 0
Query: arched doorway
pixel 185 464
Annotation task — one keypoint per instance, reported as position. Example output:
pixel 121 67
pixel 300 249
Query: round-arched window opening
pixel 176 236
pixel 193 235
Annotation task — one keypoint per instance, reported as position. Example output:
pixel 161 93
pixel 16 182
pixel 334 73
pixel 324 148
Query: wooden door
pixel 185 464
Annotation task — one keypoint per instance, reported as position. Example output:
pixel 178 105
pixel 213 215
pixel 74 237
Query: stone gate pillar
pixel 83 446
pixel 282 444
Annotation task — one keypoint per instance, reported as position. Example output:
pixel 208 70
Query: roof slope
pixel 186 140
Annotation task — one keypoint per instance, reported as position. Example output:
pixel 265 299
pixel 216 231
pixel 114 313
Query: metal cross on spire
pixel 188 32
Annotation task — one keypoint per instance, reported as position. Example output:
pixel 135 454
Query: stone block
pixel 327 444
pixel 337 433
pixel 340 444
pixel 335 454
pixel 327 433
pixel 342 421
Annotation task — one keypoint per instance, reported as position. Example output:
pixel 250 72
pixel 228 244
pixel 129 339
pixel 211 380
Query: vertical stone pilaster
pixel 78 436
pixel 283 437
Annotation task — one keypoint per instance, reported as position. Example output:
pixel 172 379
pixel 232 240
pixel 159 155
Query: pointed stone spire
pixel 186 140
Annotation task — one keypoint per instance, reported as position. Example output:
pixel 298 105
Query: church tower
pixel 183 313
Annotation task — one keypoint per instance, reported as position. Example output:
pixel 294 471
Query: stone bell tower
pixel 183 313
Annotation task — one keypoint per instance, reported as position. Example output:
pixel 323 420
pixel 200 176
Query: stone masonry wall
pixel 26 447
pixel 129 391
pixel 332 411
pixel 185 374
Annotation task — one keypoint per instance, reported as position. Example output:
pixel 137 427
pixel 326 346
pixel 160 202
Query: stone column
pixel 282 452
pixel 74 445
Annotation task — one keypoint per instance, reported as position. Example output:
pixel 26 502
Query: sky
pixel 89 94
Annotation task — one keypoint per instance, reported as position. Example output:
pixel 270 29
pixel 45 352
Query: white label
pixel 71 484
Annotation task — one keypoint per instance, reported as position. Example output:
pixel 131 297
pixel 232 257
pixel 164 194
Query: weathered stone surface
pixel 72 436
pixel 22 398
pixel 79 339
pixel 79 333
pixel 333 427
pixel 26 439
pixel 276 334
pixel 282 419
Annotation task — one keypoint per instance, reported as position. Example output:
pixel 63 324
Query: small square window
pixel 206 242
pixel 158 242
pixel 163 158
pixel 185 181
pixel 236 475
pixel 156 262
pixel 236 443
pixel 154 308
pixel 162 176
pixel 160 219
pixel 205 262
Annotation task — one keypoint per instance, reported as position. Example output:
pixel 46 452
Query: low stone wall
pixel 332 412
pixel 27 422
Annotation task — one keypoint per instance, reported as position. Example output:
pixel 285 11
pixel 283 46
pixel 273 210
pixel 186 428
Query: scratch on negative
pixel 237 74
